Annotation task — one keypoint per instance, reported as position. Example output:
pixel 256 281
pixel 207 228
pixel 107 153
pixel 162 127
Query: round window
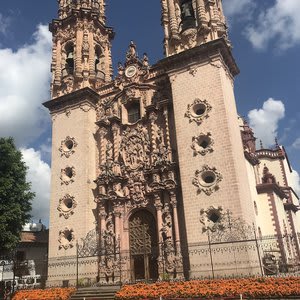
pixel 68 202
pixel 208 178
pixel 199 109
pixel 69 145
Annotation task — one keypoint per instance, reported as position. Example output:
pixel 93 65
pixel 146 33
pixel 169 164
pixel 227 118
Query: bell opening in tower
pixel 188 19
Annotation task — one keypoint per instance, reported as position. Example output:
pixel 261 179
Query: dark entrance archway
pixel 143 246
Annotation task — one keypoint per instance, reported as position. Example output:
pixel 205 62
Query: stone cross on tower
pixel 190 23
pixel 81 46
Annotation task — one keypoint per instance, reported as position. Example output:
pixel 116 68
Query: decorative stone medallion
pixel 198 111
pixel 66 206
pixel 202 144
pixel 67 147
pixel 207 180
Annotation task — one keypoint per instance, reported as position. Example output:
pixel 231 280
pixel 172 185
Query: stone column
pixel 92 56
pixel 116 132
pixel 57 53
pixel 179 263
pixel 172 18
pixel 118 247
pixel 77 53
pixel 173 201
pixel 153 118
pixel 201 15
pixel 158 205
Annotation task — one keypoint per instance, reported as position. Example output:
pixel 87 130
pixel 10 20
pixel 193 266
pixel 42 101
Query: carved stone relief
pixel 135 147
pixel 198 111
pixel 207 180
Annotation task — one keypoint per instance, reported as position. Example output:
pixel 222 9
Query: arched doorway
pixel 143 246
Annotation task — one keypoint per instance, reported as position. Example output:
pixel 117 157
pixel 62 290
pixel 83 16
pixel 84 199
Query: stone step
pixel 96 293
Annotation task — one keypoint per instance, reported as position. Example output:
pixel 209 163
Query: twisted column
pixel 102 133
pixel 166 115
pixel 116 131
pixel 153 118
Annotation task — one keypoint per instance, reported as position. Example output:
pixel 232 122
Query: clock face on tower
pixel 130 71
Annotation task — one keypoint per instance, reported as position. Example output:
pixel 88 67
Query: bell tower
pixel 81 47
pixel 190 23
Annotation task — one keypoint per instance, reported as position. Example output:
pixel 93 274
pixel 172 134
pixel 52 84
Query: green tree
pixel 15 195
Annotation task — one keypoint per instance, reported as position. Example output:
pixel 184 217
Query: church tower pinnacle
pixel 81 46
pixel 190 23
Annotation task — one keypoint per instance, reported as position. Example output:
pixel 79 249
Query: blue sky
pixel 266 39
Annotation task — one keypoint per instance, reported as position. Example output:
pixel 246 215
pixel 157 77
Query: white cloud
pixel 24 85
pixel 39 176
pixel 280 22
pixel 4 23
pixel 238 8
pixel 264 121
pixel 295 182
pixel 296 144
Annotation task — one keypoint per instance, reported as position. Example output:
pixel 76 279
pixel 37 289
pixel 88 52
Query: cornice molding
pixel 271 188
pixel 85 95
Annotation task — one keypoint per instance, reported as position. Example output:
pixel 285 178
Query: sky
pixel 266 44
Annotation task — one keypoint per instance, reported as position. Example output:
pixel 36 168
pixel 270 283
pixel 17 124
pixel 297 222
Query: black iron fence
pixel 214 258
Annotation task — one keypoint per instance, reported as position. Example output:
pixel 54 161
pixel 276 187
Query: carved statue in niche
pixel 161 153
pixel 85 44
pixel 117 188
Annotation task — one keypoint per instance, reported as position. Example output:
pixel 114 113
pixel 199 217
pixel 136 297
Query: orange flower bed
pixel 249 288
pixel 48 294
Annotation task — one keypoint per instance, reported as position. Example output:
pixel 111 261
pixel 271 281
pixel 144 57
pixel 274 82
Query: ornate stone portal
pixel 136 186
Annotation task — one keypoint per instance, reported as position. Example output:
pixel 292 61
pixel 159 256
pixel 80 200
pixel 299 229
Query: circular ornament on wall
pixel 207 180
pixel 66 206
pixel 198 111
pixel 67 147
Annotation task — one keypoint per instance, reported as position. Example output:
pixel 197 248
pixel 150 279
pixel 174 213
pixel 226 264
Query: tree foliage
pixel 15 195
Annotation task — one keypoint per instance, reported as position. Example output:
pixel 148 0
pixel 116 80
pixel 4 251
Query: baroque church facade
pixel 148 165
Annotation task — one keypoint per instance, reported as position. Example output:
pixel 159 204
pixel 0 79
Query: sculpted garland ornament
pixel 207 180
pixel 198 111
